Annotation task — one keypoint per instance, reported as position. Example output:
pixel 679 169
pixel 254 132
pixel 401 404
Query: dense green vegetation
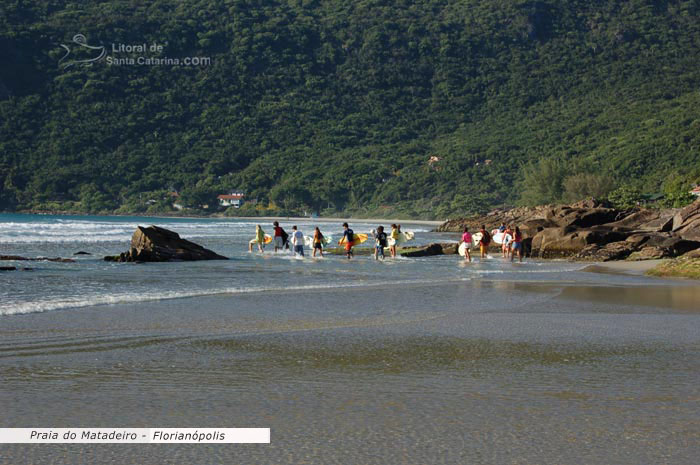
pixel 337 106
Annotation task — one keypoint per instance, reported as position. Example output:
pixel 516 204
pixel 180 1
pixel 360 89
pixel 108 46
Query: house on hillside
pixel 234 199
pixel 695 191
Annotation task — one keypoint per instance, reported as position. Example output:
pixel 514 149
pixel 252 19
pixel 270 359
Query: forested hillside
pixel 338 106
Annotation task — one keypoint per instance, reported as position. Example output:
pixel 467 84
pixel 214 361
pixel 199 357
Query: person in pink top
pixel 467 239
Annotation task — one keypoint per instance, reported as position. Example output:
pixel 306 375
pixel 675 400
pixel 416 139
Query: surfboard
pixel 501 237
pixel 476 237
pixel 356 239
pixel 309 241
pixel 267 240
pixel 462 249
pixel 403 237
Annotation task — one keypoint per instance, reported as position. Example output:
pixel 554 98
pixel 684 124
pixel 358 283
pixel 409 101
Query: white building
pixel 234 199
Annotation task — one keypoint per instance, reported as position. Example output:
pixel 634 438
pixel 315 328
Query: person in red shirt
pixel 279 236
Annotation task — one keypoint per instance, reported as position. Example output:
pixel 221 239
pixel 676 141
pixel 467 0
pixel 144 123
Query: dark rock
pixel 8 268
pixel 649 253
pixel 589 229
pixel 641 246
pixel 672 243
pixel 646 220
pixel 533 226
pixel 686 223
pixel 82 253
pixel 613 251
pixel 590 203
pixel 582 217
pixel 567 241
pixel 692 254
pixel 155 244
pixel 46 259
pixel 430 250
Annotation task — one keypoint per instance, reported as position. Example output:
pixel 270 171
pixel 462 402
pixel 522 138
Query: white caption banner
pixel 135 435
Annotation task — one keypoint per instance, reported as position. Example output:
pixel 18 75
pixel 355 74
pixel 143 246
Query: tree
pixel 625 197
pixel 583 185
pixel 543 181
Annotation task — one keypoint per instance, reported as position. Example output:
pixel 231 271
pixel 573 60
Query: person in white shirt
pixel 298 241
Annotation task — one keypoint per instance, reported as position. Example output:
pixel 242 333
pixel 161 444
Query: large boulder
pixel 686 223
pixel 154 244
pixel 531 227
pixel 568 241
pixel 671 244
pixel 430 250
pixel 581 217
pixel 646 220
pixel 692 254
pixel 605 253
pixel 639 246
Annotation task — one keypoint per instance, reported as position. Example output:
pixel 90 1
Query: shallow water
pixel 407 361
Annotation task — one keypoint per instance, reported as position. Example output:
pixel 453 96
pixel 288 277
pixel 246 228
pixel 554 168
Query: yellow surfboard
pixel 356 239
pixel 267 240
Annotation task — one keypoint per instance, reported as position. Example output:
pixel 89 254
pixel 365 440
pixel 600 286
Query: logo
pixel 82 55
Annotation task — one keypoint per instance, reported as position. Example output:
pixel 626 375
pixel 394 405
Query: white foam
pixel 39 306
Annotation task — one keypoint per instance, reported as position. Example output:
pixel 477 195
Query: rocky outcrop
pixel 591 230
pixel 430 250
pixel 154 244
pixel 646 220
pixel 692 254
pixel 582 217
pixel 641 246
pixel 604 253
pixel 686 223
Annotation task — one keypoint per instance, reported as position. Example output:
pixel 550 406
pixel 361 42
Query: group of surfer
pixel 282 240
pixel 511 241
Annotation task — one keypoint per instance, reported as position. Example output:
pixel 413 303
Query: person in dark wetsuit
pixel 349 236
pixel 380 242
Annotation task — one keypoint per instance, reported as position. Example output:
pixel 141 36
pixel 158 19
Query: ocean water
pixel 91 281
pixel 426 360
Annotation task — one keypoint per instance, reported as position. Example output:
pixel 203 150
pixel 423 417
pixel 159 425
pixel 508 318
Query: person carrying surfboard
pixel 279 236
pixel 380 242
pixel 259 239
pixel 395 236
pixel 485 241
pixel 517 245
pixel 317 242
pixel 507 239
pixel 348 238
pixel 467 240
pixel 297 241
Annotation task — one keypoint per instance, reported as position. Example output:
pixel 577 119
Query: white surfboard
pixel 476 237
pixel 309 241
pixel 463 248
pixel 501 237
pixel 403 237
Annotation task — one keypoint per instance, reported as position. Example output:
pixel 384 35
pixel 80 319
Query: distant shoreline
pixel 249 218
